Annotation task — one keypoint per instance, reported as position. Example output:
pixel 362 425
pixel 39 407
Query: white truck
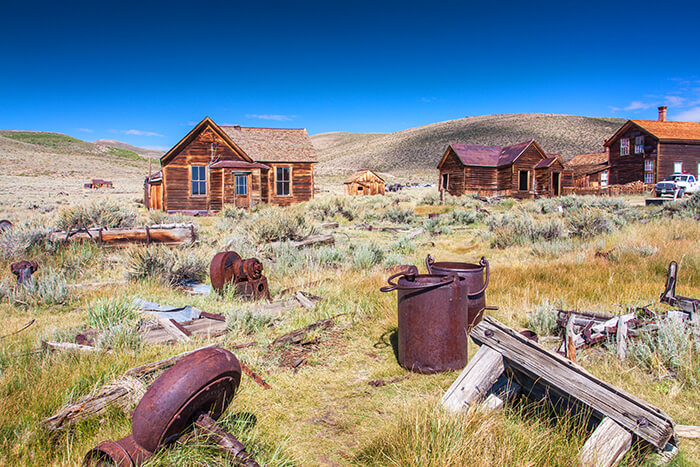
pixel 677 184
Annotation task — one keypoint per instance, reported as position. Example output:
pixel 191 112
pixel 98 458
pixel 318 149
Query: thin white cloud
pixel 428 99
pixel 639 105
pixel 141 133
pixel 85 130
pixel 614 109
pixel 276 117
pixel 675 101
pixel 157 148
pixel 690 115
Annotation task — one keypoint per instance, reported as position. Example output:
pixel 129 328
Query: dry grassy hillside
pixel 46 169
pixel 419 149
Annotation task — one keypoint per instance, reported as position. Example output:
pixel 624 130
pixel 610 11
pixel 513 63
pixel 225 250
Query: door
pixel 241 187
pixel 556 183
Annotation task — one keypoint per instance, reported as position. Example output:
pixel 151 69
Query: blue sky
pixel 145 72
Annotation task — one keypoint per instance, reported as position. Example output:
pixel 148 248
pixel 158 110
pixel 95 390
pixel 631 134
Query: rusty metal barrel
pixel 476 283
pixel 432 322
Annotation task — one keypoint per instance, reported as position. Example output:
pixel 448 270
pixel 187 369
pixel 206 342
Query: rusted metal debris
pixel 298 336
pixel 477 279
pixel 691 306
pixel 5 225
pixel 245 275
pixel 432 321
pixel 254 376
pixel 195 391
pixel 24 270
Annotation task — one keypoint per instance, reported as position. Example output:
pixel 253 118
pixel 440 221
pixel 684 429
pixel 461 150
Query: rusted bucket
pixel 432 322
pixel 476 283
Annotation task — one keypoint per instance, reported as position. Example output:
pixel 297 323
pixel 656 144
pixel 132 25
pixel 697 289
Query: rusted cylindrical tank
pixel 477 282
pixel 432 321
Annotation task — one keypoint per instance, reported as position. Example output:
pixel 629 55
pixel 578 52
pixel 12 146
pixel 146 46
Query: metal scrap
pixel 245 275
pixel 24 270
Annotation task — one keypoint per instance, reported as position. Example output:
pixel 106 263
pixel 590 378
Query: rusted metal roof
pixel 239 165
pixel 544 163
pixel 489 156
pixel 273 144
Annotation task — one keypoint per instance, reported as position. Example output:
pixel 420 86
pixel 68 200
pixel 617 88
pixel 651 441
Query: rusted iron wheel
pixel 5 225
pixel 221 269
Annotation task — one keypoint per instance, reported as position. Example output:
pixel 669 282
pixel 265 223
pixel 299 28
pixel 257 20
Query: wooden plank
pixel 69 346
pixel 607 445
pixel 688 431
pixel 475 381
pixel 574 383
pixel 175 332
pixel 622 336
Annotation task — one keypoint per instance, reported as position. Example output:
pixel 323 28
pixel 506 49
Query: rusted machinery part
pixel 226 440
pixel 24 270
pixel 228 267
pixel 203 381
pixel 5 225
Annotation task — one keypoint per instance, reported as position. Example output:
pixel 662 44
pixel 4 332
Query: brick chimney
pixel 237 127
pixel 662 113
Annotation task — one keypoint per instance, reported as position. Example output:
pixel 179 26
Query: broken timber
pixel 167 234
pixel 541 373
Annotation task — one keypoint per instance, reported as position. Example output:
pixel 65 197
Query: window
pixel 282 181
pixel 677 167
pixel 241 185
pixel 446 178
pixel 625 147
pixel 199 180
pixel 649 165
pixel 524 180
pixel 648 177
pixel 639 145
pixel 604 178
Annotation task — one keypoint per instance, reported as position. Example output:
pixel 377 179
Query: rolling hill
pixel 143 152
pixel 419 149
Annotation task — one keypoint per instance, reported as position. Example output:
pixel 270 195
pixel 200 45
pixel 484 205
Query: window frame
pixel 604 178
pixel 200 181
pixel 624 146
pixel 648 178
pixel 244 177
pixel 639 144
pixel 520 179
pixel 677 164
pixel 649 165
pixel 288 181
pixel 445 180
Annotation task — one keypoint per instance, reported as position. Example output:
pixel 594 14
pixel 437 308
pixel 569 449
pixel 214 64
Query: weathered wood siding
pixel 302 183
pixel 254 196
pixel 527 161
pixel 630 168
pixel 480 178
pixel 670 153
pixel 204 149
pixel 545 179
pixel 368 183
pixel 455 170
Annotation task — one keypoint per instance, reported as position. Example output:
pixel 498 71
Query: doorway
pixel 524 180
pixel 556 185
pixel 241 190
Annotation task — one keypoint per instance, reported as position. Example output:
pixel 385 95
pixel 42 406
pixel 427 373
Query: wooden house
pixel 364 182
pixel 97 183
pixel 590 170
pixel 651 150
pixel 521 170
pixel 215 166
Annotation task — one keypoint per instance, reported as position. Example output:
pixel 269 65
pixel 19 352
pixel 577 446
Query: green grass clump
pixel 519 228
pixel 119 323
pixel 25 239
pixel 544 319
pixel 331 208
pixel 125 153
pixel 247 321
pixel 171 266
pixel 367 255
pixel 99 214
pixel 273 224
pixel 398 215
pixel 52 140
pixel 48 287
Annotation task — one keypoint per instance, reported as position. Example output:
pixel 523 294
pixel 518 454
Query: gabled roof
pixel 273 144
pixel 589 163
pixel 488 156
pixel 544 163
pixel 664 131
pixel 360 173
pixel 206 122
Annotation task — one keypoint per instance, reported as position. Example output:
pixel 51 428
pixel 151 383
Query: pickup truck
pixel 682 183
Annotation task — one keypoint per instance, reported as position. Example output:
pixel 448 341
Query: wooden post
pixel 607 445
pixel 475 381
pixel 622 336
pixel 570 339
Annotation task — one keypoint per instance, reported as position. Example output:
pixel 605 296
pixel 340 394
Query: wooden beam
pixel 475 381
pixel 572 383
pixel 688 431
pixel 606 446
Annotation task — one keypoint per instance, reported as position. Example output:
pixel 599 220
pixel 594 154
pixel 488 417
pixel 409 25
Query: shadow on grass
pixel 389 338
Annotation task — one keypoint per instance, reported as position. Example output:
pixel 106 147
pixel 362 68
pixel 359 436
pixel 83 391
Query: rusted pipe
pixel 224 439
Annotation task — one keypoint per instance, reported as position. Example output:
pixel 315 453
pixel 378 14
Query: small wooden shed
pixel 364 182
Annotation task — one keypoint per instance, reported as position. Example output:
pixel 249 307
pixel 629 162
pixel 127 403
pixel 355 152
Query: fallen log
pixel 312 240
pixel 167 234
pixel 69 346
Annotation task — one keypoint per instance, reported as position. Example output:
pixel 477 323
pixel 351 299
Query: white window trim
pixel 625 148
pixel 235 183
pixel 206 184
pixel 639 145
pixel 604 178
pixel 677 164
pixel 290 181
pixel 528 180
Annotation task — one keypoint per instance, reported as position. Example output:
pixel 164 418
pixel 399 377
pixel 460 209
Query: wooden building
pixel 521 170
pixel 364 182
pixel 651 150
pixel 214 166
pixel 590 170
